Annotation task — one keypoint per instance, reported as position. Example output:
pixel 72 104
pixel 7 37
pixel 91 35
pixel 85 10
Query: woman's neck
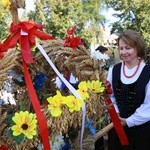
pixel 131 64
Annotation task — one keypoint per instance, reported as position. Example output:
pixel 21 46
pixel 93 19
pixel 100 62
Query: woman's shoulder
pixel 118 66
pixel 110 70
pixel 144 65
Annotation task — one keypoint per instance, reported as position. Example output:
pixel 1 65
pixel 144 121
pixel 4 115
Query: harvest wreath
pixel 35 113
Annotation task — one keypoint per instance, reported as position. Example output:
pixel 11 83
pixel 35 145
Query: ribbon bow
pixel 71 40
pixel 24 33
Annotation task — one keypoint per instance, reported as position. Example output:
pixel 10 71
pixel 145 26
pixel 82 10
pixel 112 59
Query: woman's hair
pixel 135 40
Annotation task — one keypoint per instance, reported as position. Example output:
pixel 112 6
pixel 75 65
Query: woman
pixel 130 82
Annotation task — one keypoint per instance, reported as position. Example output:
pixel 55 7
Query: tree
pixel 4 22
pixel 59 15
pixel 133 14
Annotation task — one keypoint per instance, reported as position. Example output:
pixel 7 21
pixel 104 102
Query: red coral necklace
pixel 133 73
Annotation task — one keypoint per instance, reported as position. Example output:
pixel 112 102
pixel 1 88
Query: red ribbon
pixel 1 52
pixel 3 147
pixel 37 108
pixel 117 124
pixel 114 117
pixel 71 40
pixel 25 32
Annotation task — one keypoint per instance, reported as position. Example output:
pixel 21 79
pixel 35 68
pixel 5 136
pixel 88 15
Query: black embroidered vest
pixel 129 96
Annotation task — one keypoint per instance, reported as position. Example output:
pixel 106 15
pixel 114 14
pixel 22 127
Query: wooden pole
pixel 103 131
pixel 14 12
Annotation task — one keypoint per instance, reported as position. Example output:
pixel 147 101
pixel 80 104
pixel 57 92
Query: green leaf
pixel 9 119
pixel 19 139
pixel 22 105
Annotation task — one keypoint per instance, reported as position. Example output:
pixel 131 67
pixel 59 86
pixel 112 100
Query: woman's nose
pixel 123 51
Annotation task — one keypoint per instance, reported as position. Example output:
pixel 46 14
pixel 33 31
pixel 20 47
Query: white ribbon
pixel 69 86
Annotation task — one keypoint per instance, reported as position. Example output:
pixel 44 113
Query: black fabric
pixel 137 141
pixel 129 96
pixel 99 144
pixel 138 136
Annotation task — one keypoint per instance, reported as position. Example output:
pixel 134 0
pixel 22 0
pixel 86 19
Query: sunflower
pixel 25 123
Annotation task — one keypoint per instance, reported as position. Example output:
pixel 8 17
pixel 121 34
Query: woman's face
pixel 127 53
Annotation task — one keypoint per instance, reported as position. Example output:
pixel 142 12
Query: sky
pixel 29 5
pixel 109 17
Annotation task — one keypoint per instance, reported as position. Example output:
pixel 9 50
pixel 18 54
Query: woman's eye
pixel 120 48
pixel 128 47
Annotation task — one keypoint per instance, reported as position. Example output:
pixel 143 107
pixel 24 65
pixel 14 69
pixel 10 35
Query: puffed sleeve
pixel 112 97
pixel 142 114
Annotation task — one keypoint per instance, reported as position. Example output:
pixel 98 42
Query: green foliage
pixel 9 119
pixel 133 14
pixel 22 105
pixel 4 20
pixel 59 15
pixel 19 139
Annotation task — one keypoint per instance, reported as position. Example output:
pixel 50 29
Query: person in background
pixel 102 49
pixel 130 82
pixel 100 143
pixel 105 51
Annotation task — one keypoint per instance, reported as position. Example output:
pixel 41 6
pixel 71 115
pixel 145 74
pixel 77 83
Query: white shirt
pixel 142 114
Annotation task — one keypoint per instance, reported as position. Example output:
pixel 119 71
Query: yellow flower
pixel 6 3
pixel 26 124
pixel 73 103
pixel 55 104
pixel 83 90
pixel 95 86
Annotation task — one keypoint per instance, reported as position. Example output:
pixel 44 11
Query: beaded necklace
pixel 133 73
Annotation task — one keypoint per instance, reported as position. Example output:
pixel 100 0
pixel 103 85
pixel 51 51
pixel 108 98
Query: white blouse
pixel 142 114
